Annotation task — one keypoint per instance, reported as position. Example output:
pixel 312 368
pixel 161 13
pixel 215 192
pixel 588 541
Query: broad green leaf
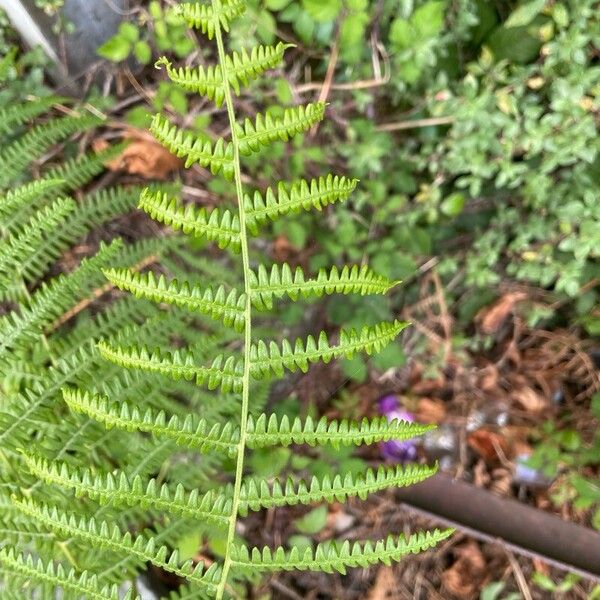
pixel 428 19
pixel 323 10
pixel 525 13
pixel 116 49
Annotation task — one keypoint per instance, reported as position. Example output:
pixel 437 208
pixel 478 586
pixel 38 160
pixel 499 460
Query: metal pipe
pixel 492 518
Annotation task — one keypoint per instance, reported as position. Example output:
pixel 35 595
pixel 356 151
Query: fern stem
pixel 239 471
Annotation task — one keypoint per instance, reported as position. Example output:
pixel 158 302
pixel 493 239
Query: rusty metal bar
pixel 525 530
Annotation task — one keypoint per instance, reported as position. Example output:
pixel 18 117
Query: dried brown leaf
pixel 491 319
pixel 532 401
pixel 142 156
pixel 490 445
pixel 465 577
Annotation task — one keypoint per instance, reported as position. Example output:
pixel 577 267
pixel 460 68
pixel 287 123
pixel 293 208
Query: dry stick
pixel 97 293
pixel 518 573
pixel 416 123
pixel 324 93
pixel 363 84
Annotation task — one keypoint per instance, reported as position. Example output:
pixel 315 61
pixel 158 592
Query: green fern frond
pixel 302 195
pixel 241 69
pixel 216 226
pixel 225 373
pixel 282 281
pixel 53 577
pixel 331 558
pixel 184 144
pixel 15 249
pixel 192 432
pixel 266 360
pixel 219 305
pixel 78 171
pixel 54 298
pixel 267 129
pixel 106 536
pixel 272 431
pixel 258 494
pixel 13 116
pixel 22 152
pixel 204 16
pixel 17 198
pixel 118 490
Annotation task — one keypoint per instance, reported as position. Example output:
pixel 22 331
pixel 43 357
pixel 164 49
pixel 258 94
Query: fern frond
pixel 282 281
pixel 266 360
pixel 13 116
pixel 225 373
pixel 271 431
pixel 184 144
pixel 191 432
pixel 15 157
pixel 15 249
pixel 203 16
pixel 219 305
pixel 267 129
pixel 54 577
pixel 17 198
pixel 78 171
pixel 292 198
pixel 258 494
pixel 216 226
pixel 102 535
pixel 53 299
pixel 241 68
pixel 118 490
pixel 331 558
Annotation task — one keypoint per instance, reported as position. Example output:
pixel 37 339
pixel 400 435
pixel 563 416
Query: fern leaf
pixel 281 281
pixel 203 16
pixel 55 577
pixel 51 300
pixel 292 198
pixel 78 171
pixel 218 157
pixel 13 116
pixel 331 558
pixel 222 228
pixel 267 129
pixel 258 494
pixel 241 68
pixel 191 432
pixel 16 248
pixel 272 431
pixel 117 489
pixel 265 360
pixel 16 156
pixel 219 305
pixel 102 535
pixel 22 196
pixel 196 433
pixel 223 373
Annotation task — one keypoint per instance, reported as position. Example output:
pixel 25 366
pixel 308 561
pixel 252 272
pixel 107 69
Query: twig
pixel 518 573
pixel 400 125
pixel 324 93
pixel 362 84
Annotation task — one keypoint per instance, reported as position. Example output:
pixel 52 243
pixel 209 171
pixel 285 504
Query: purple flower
pixel 397 450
